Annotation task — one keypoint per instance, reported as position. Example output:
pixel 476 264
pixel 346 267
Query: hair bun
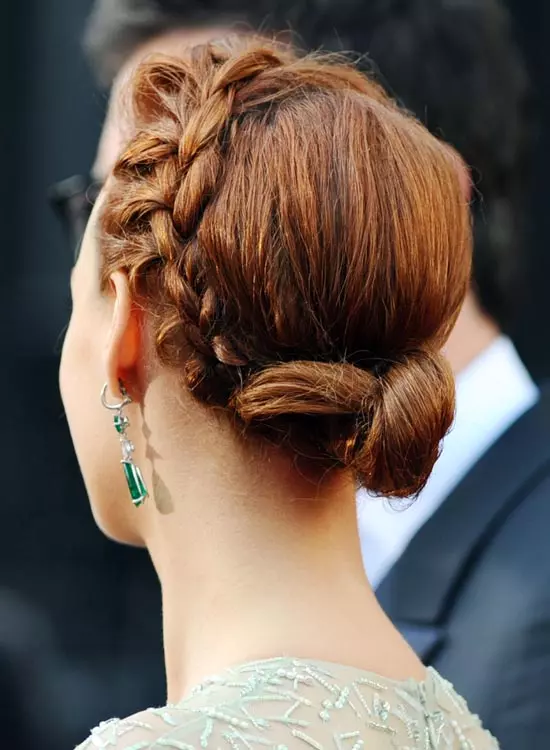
pixel 396 449
pixel 387 429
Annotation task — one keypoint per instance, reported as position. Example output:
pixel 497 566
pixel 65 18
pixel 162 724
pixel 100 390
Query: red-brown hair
pixel 304 247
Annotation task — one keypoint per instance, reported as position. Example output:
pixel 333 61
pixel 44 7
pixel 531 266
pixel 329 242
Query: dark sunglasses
pixel 73 200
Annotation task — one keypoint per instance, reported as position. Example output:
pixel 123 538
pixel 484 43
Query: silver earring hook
pixel 117 406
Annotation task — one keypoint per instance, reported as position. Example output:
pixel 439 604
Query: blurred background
pixel 70 600
pixel 75 609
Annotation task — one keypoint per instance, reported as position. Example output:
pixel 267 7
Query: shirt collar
pixel 492 392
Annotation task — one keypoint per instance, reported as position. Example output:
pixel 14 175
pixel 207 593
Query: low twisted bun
pixel 302 248
pixel 397 447
pixel 386 427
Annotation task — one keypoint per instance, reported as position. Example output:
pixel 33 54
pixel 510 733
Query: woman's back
pixel 284 702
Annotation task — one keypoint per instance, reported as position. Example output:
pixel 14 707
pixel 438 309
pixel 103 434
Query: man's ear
pixel 125 338
pixel 463 172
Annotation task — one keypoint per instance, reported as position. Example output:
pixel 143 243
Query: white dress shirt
pixel 492 393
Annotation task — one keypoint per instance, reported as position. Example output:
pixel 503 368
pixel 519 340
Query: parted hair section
pixel 303 247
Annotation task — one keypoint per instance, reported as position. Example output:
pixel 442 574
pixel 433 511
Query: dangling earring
pixel 134 479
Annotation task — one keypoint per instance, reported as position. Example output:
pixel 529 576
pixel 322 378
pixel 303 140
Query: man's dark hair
pixel 454 63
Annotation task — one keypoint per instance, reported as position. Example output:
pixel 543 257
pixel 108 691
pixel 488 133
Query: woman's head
pixel 280 235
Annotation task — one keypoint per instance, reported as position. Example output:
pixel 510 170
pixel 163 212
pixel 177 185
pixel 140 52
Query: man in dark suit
pixel 465 572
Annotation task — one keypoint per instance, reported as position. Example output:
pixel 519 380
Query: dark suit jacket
pixel 471 593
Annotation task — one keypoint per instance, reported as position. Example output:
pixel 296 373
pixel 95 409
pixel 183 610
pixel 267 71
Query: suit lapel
pixel 420 589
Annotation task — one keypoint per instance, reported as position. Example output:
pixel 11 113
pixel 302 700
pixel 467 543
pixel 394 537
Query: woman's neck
pixel 248 577
pixel 255 559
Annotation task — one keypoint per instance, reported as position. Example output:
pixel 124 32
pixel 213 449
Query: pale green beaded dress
pixel 297 704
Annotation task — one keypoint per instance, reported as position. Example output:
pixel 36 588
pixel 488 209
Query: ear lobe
pixel 463 172
pixel 124 344
pixel 466 183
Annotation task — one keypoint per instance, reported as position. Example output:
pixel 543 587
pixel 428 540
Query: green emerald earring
pixel 134 479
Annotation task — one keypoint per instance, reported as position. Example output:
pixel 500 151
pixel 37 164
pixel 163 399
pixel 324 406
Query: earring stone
pixel 132 473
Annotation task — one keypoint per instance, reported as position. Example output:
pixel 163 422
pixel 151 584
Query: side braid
pixel 164 181
pixel 186 114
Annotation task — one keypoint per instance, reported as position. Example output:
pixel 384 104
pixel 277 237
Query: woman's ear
pixel 124 344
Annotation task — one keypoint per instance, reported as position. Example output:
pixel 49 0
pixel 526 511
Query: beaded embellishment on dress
pixel 287 704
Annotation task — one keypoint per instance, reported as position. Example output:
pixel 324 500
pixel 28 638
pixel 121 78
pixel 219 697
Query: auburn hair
pixel 303 247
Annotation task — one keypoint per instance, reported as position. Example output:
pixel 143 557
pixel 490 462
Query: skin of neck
pixel 254 558
pixel 473 332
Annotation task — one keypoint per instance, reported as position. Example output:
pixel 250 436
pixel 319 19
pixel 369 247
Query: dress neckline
pixel 292 663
